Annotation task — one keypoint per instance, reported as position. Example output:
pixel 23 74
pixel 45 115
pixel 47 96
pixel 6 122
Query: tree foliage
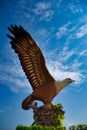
pixel 78 127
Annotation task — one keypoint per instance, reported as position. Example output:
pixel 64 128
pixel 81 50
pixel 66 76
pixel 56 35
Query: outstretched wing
pixel 30 56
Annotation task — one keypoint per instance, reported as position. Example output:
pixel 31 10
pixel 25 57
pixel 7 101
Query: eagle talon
pixel 34 106
pixel 48 106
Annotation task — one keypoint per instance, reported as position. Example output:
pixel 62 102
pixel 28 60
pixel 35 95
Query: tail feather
pixel 27 103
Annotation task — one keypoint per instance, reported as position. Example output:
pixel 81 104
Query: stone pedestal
pixel 48 115
pixel 46 118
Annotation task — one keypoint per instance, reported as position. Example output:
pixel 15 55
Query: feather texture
pixel 31 57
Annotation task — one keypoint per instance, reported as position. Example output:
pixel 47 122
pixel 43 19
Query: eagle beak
pixel 73 81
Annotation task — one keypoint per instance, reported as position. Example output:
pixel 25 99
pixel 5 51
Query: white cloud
pixel 83 53
pixel 75 8
pixel 63 30
pixel 43 10
pixel 64 55
pixel 5 109
pixel 75 65
pixel 14 78
pixel 58 72
pixel 42 6
pixel 62 67
pixel 11 72
pixel 72 30
pixel 59 4
pixel 83 19
pixel 30 11
pixel 82 31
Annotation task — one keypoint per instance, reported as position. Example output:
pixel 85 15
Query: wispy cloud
pixel 63 66
pixel 60 71
pixel 31 11
pixel 83 53
pixel 75 8
pixel 5 109
pixel 43 10
pixel 14 78
pixel 58 4
pixel 63 30
pixel 82 31
pixel 83 19
pixel 11 73
pixel 73 30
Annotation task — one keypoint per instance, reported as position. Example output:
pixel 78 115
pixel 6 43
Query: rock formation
pixel 48 115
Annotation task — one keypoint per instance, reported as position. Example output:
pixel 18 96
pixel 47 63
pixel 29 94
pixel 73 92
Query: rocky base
pixel 48 115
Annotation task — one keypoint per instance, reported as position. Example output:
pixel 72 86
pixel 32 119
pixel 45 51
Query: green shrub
pixel 35 127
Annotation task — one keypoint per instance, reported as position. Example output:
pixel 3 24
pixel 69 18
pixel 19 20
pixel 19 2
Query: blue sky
pixel 60 29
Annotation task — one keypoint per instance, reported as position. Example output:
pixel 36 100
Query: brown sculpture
pixel 45 87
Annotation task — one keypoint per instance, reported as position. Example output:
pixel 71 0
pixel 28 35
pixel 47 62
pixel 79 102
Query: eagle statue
pixel 45 87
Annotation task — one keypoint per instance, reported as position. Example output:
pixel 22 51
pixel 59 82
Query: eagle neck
pixel 60 85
